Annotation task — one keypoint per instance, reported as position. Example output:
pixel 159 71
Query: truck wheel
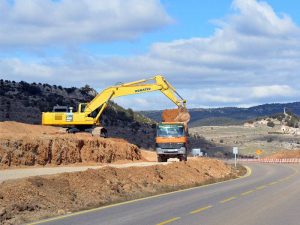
pixel 182 158
pixel 162 158
pixel 159 158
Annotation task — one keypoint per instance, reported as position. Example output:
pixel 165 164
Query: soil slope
pixel 34 198
pixel 29 145
pixel 289 154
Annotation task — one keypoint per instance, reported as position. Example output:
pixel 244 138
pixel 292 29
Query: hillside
pixel 24 102
pixel 230 115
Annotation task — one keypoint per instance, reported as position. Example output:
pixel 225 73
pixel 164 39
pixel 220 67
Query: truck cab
pixel 171 141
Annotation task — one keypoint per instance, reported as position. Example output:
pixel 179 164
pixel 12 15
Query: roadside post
pixel 235 151
pixel 258 153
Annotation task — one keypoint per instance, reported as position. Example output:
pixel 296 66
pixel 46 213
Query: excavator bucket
pixel 176 115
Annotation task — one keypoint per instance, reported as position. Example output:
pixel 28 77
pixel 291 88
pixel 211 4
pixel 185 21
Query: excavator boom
pixel 90 113
pixel 132 88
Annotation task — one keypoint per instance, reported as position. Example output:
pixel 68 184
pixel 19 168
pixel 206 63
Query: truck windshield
pixel 170 130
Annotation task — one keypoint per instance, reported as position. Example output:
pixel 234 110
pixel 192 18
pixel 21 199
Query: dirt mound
pixel 33 198
pixel 15 128
pixel 288 154
pixel 149 156
pixel 23 144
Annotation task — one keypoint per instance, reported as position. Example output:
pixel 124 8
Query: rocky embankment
pixel 29 145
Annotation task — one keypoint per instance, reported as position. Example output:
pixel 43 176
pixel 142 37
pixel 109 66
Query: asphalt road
pixel 269 196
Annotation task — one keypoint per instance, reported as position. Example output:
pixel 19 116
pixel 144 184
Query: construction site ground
pixel 35 145
pixel 33 198
pixel 247 139
pixel 46 172
pixel 287 154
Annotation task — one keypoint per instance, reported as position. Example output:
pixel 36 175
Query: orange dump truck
pixel 171 135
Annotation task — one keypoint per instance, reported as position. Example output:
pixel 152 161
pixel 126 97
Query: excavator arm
pixel 90 114
pixel 132 88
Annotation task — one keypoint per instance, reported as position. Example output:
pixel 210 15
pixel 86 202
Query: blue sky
pixel 216 53
pixel 192 18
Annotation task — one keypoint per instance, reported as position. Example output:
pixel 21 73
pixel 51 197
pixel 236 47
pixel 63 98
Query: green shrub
pixel 271 124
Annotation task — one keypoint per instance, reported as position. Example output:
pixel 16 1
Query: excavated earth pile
pixel 29 145
pixel 169 115
pixel 34 198
pixel 176 115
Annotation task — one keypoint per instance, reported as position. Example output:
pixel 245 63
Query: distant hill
pixel 230 115
pixel 25 102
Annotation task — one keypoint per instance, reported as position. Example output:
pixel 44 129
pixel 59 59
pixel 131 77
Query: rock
pixel 2 211
pixel 61 212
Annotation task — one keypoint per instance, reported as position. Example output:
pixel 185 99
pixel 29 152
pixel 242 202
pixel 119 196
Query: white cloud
pixel 259 19
pixel 273 90
pixel 252 57
pixel 34 22
pixel 243 96
pixel 16 69
pixel 154 100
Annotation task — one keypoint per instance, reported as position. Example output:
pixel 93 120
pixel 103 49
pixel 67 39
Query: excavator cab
pixel 81 107
pixel 59 108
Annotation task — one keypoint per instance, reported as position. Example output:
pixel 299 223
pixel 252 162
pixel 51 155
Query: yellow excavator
pixel 88 114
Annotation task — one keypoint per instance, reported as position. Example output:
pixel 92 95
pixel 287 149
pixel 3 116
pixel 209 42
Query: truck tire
pixel 162 158
pixel 185 158
pixel 159 158
pixel 182 158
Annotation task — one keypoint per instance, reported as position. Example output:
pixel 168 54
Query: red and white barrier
pixel 266 160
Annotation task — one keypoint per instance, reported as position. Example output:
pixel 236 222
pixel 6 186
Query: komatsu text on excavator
pixel 87 116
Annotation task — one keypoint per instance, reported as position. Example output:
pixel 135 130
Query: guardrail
pixel 294 160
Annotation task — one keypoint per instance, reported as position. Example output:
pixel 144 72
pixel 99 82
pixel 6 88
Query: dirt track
pixel 43 150
pixel 11 174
